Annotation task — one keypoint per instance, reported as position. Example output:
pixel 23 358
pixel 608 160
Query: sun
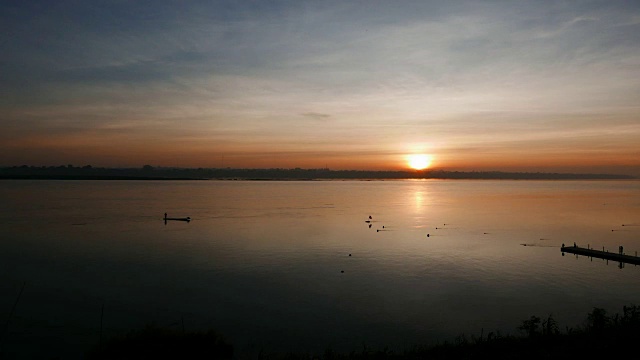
pixel 419 161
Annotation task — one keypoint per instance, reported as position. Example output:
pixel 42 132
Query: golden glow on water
pixel 419 161
pixel 419 200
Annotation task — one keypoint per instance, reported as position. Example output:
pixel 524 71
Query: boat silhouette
pixel 187 219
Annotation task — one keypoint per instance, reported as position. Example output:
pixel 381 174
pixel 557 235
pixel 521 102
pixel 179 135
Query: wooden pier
pixel 620 257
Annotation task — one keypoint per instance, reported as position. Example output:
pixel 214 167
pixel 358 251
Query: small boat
pixel 187 219
pixel 179 219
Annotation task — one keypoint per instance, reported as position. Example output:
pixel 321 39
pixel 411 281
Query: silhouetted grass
pixel 601 336
pixel 154 342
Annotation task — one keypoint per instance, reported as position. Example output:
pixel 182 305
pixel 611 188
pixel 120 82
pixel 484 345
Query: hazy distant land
pixel 147 172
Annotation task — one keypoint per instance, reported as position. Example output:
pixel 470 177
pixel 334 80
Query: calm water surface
pixel 267 263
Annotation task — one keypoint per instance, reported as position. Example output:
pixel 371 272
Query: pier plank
pixel 629 259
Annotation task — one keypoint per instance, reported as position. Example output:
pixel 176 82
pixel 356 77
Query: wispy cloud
pixel 316 116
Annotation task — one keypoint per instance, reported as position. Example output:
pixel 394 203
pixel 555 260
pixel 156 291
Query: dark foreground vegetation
pixel 160 343
pixel 601 336
pixel 148 172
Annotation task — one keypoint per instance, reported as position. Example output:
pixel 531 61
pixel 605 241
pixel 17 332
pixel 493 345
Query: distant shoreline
pixel 152 173
pixel 86 177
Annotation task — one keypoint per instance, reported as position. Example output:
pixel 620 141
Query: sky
pixel 549 86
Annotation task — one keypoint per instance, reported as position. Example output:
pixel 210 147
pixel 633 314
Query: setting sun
pixel 419 161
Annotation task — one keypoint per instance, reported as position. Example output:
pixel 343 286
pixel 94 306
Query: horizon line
pixel 147 167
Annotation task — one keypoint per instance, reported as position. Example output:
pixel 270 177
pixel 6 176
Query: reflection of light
pixel 419 196
pixel 420 199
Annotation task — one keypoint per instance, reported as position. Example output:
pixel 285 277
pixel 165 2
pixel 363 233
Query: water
pixel 267 263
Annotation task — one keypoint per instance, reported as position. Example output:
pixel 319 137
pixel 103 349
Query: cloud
pixel 316 116
pixel 448 74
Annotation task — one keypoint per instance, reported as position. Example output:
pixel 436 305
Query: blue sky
pixel 525 85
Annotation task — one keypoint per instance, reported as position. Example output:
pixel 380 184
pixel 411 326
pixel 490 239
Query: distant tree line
pixel 151 172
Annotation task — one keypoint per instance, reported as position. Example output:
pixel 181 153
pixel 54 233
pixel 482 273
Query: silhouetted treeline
pixel 149 172
pixel 600 337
